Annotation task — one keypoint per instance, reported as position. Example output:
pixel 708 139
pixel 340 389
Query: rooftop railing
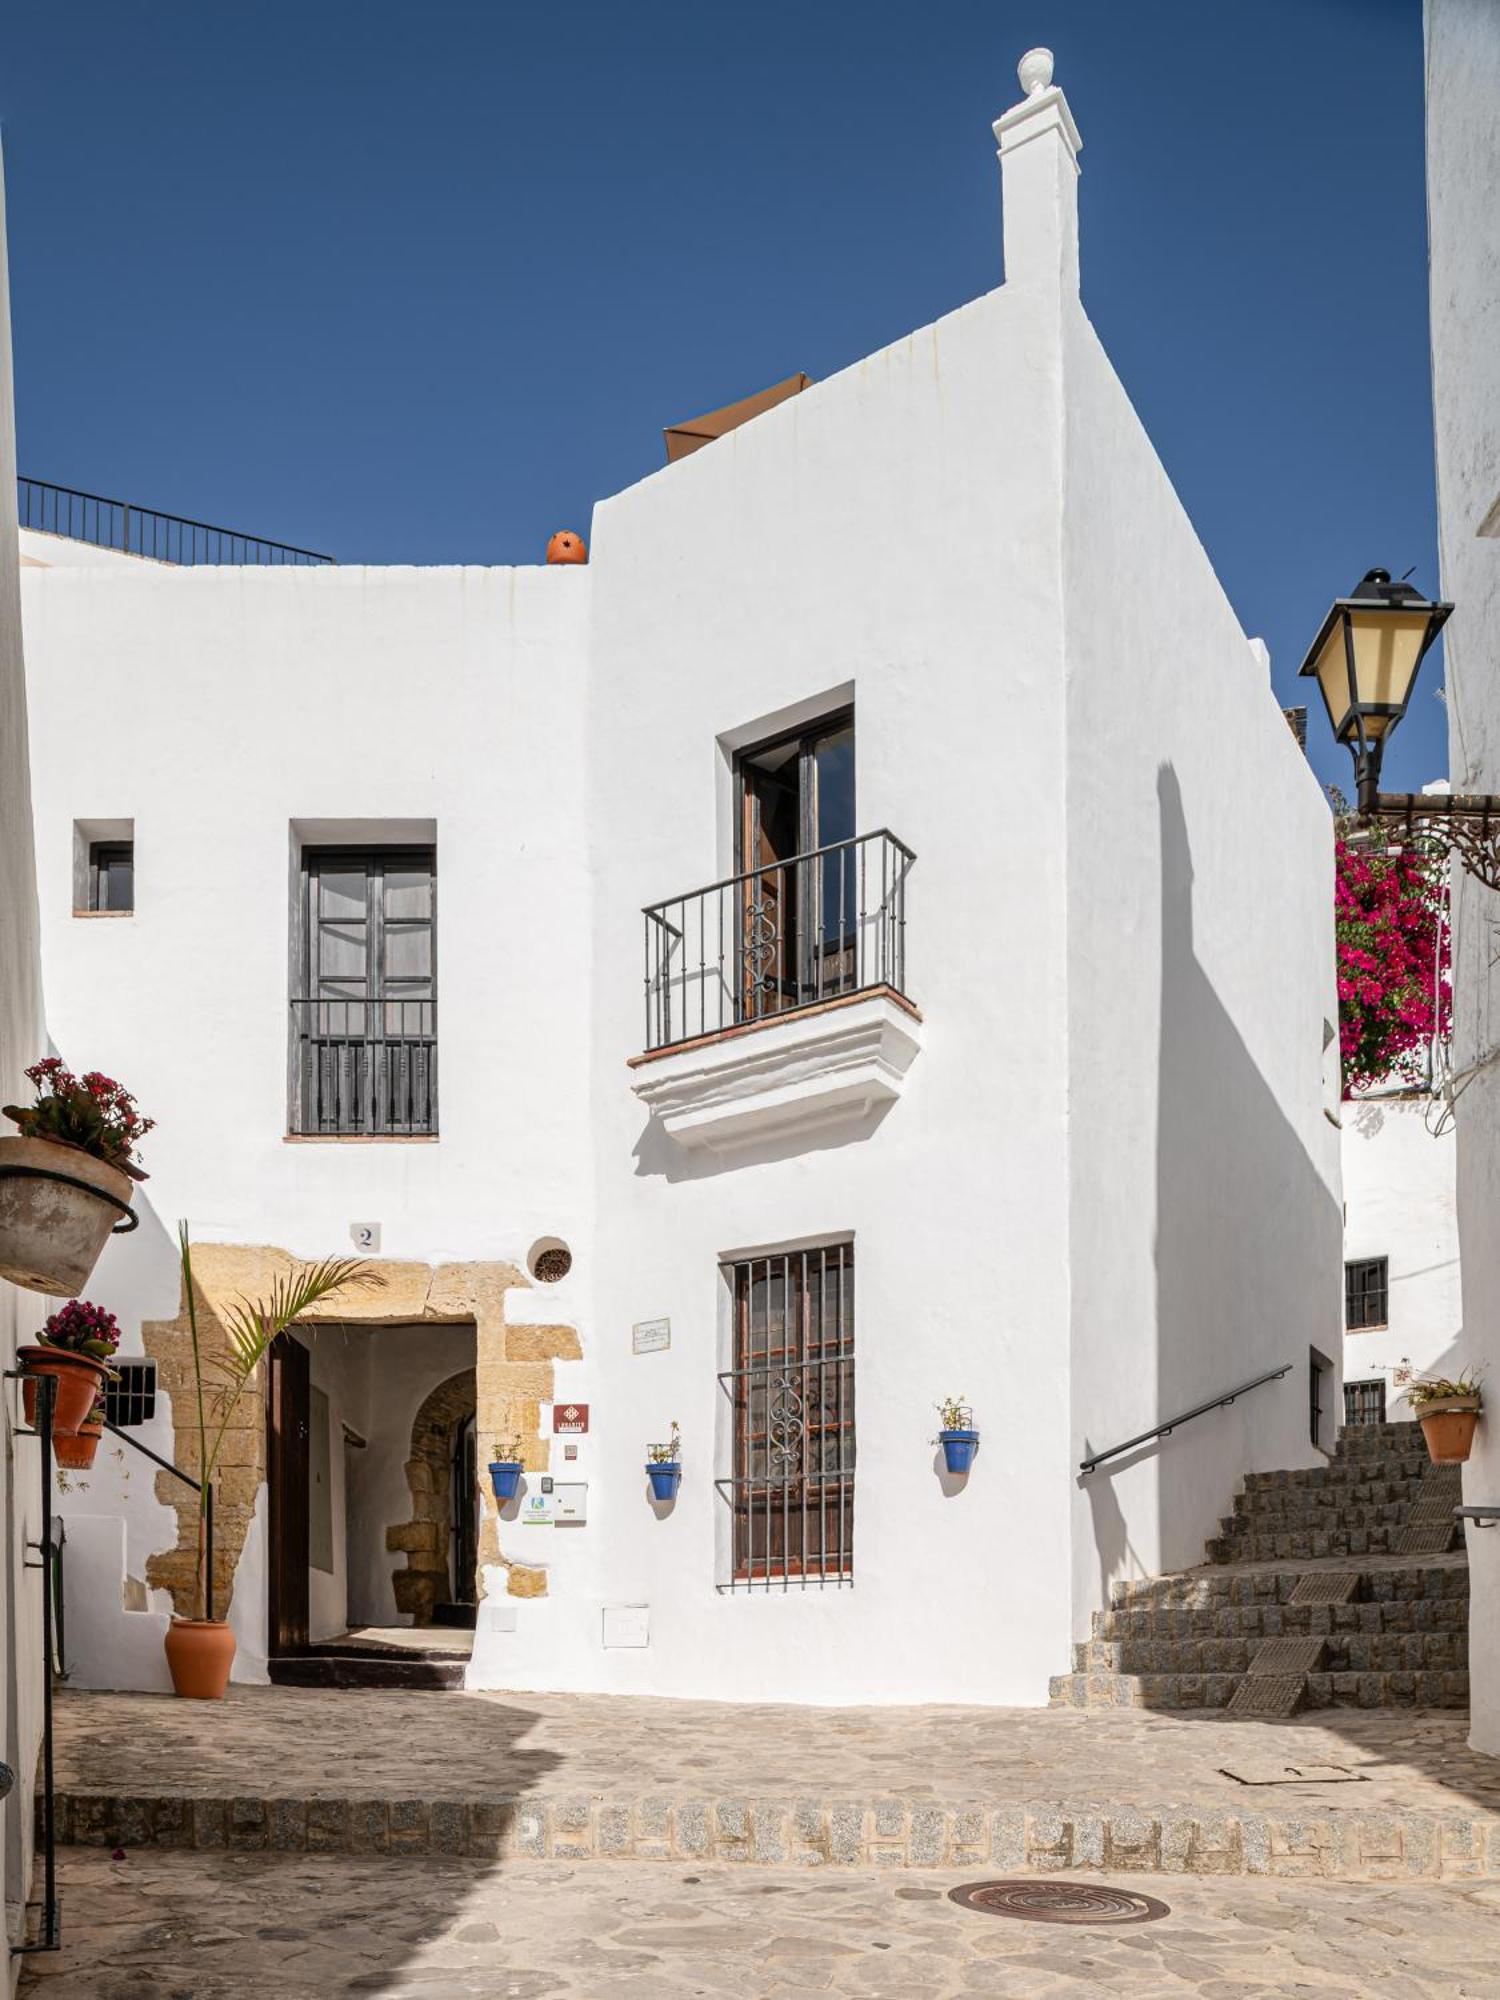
pixel 146 531
pixel 816 927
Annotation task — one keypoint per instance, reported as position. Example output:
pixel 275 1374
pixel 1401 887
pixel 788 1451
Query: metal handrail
pixel 768 867
pixel 1165 1430
pixel 104 523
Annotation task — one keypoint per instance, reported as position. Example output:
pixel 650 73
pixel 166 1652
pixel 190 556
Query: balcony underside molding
pixel 796 1072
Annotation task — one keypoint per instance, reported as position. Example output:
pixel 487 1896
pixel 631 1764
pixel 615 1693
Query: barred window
pixel 1364 1403
pixel 131 1397
pixel 1366 1293
pixel 791 1391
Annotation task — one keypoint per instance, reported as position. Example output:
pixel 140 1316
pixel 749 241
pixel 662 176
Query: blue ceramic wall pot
pixel 665 1479
pixel 959 1448
pixel 505 1477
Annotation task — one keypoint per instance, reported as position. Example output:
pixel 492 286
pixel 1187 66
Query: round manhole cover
pixel 1059 1902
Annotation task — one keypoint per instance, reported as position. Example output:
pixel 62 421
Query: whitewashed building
pixel 1402 1288
pixel 1463 206
pixel 973 1073
pixel 22 1041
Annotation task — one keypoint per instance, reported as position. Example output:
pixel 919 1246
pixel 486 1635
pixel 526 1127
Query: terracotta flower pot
pixel 51 1234
pixel 1448 1426
pixel 200 1653
pixel 76 1454
pixel 78 1379
pixel 566 547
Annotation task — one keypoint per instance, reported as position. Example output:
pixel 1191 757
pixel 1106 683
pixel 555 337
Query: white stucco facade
pixel 1399 1154
pixel 1082 1158
pixel 22 1041
pixel 1463 203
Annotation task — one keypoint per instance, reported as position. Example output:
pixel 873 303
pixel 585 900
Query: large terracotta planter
pixel 51 1234
pixel 76 1454
pixel 78 1377
pixel 200 1653
pixel 1448 1426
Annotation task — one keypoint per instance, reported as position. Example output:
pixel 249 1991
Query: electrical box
pixel 627 1625
pixel 570 1501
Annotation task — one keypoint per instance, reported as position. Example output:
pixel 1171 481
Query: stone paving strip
pixel 1378 1796
pixel 162 1926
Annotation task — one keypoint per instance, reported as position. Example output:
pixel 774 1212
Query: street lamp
pixel 1365 660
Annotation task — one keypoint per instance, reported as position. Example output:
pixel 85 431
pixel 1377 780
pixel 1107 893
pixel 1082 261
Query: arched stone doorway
pixel 443 1522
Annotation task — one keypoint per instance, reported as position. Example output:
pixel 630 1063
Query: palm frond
pixel 250 1325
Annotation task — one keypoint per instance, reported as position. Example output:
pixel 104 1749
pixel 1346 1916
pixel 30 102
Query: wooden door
pixel 288 1427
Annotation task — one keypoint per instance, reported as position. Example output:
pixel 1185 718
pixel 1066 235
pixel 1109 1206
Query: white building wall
pixel 1205 1208
pixel 225 711
pixel 21 1313
pixel 1399 1160
pixel 1463 204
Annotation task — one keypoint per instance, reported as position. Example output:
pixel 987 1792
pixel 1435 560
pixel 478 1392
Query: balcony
pixel 364 1069
pixel 146 531
pixel 776 999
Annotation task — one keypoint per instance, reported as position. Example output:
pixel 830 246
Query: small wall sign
pixel 650 1336
pixel 570 1419
pixel 365 1235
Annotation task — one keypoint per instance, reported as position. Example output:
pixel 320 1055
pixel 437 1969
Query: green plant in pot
pixel 1447 1407
pixel 200 1650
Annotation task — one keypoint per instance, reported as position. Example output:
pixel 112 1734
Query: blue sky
pixel 423 283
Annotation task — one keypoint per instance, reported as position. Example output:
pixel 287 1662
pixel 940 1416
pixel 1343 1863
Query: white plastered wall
pixel 1463 208
pixel 1399 1158
pixel 21 1313
pixel 1205 1175
pixel 221 709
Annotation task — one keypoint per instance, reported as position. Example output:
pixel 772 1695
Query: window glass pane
pixel 408 951
pixel 341 951
pixel 833 766
pixel 341 892
pixel 408 892
pixel 117 882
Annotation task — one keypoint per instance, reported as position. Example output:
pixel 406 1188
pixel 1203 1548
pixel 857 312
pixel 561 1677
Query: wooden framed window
pixel 364 1025
pixel 791 1391
pixel 1366 1293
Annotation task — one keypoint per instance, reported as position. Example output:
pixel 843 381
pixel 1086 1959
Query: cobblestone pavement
pixel 304 1742
pixel 200 1927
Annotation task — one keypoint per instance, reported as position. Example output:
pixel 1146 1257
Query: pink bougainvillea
pixel 1391 928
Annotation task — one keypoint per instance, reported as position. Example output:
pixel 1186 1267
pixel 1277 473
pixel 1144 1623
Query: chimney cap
pixel 1034 71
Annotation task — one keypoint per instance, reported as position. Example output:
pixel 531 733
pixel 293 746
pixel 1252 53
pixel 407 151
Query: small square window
pixel 112 875
pixel 103 867
pixel 1366 1293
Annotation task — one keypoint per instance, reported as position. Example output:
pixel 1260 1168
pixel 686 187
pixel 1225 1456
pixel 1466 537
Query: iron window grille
pixel 790 1394
pixel 364 1029
pixel 1317 1368
pixel 111 875
pixel 1364 1403
pixel 131 1398
pixel 1366 1293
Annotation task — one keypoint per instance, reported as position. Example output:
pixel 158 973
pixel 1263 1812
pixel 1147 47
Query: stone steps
pixel 1344 1689
pixel 1197 1589
pixel 1313 1545
pixel 367 1667
pixel 1255 1621
pixel 1387 1652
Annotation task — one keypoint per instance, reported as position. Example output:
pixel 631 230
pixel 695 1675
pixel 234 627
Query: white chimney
pixel 1039 148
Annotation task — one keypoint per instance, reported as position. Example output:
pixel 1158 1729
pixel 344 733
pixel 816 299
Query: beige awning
pixel 683 438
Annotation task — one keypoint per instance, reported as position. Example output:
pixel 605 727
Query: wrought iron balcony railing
pixel 790 934
pixel 364 1068
pixel 145 531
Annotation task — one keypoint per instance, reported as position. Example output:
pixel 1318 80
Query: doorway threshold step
pixel 367 1667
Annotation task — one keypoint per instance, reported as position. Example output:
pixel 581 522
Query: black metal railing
pixel 45 1549
pixel 145 531
pixel 364 1068
pixel 198 1486
pixel 1174 1423
pixel 790 934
